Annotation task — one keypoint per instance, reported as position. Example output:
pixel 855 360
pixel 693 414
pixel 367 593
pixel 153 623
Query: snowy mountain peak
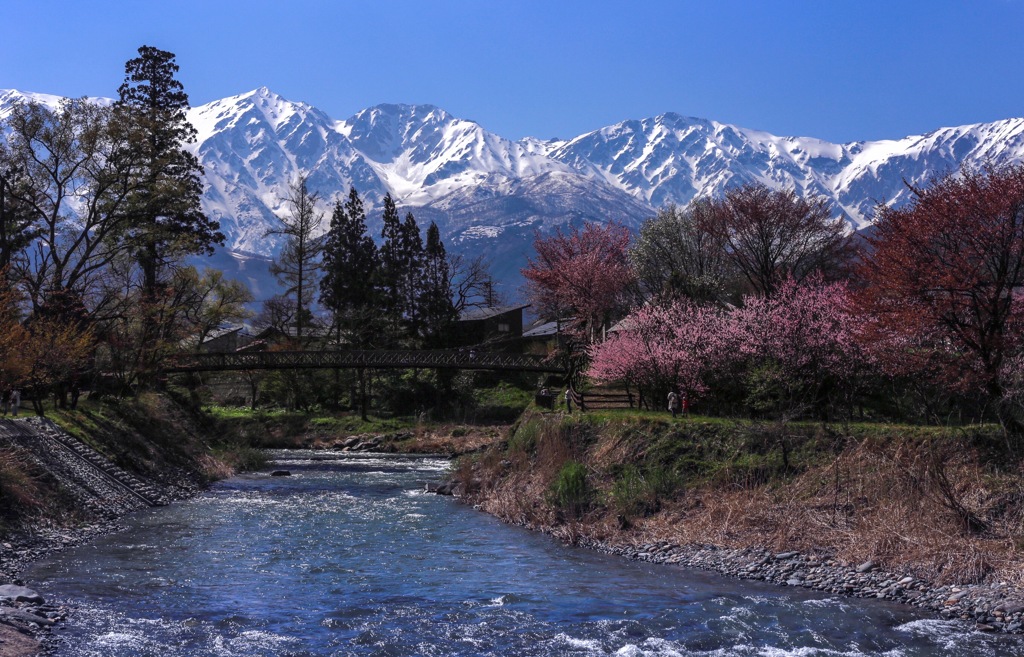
pixel 10 97
pixel 484 189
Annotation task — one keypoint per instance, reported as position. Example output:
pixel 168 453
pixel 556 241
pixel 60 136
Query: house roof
pixel 221 332
pixel 477 314
pixel 626 324
pixel 542 330
pixel 291 332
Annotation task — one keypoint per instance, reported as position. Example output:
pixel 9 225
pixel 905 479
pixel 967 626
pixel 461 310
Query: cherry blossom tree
pixel 582 274
pixel 803 346
pixel 796 351
pixel 942 276
pixel 677 346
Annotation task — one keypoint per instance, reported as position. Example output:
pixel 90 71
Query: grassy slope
pixel 945 503
pixel 278 429
pixel 152 435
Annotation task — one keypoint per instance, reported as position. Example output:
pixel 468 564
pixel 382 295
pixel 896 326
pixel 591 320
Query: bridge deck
pixel 370 359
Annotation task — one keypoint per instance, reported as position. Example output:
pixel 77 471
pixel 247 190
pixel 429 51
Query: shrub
pixel 571 492
pixel 630 493
pixel 634 493
pixel 524 437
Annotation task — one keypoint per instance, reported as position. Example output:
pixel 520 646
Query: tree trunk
pixel 362 395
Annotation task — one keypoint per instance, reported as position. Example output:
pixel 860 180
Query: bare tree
pixel 75 175
pixel 298 264
pixel 472 284
pixel 772 235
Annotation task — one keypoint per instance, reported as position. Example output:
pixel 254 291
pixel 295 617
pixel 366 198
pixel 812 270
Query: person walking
pixel 673 403
pixel 568 401
pixel 15 402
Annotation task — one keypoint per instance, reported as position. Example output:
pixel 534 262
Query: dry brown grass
pixel 19 486
pixel 935 508
pixel 867 504
pixel 451 439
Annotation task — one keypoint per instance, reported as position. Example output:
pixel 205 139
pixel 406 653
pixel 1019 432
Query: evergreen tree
pixel 436 299
pixel 391 265
pixel 298 263
pixel 350 264
pixel 16 222
pixel 412 276
pixel 167 219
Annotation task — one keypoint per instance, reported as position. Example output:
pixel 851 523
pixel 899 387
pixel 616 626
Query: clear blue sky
pixel 835 69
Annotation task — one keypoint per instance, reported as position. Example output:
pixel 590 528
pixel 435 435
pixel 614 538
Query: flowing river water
pixel 350 557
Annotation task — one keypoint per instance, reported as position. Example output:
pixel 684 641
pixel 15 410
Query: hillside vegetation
pixel 944 503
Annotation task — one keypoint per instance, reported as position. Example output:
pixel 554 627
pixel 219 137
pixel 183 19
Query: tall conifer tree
pixel 391 265
pixel 436 298
pixel 298 264
pixel 412 276
pixel 168 221
pixel 350 266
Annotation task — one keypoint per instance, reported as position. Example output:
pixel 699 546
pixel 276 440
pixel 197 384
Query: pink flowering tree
pixel 802 346
pixel 797 351
pixel 678 346
pixel 582 274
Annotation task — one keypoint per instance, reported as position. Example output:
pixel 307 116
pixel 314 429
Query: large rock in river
pixel 20 594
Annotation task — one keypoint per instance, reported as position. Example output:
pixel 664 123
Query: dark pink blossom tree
pixel 583 274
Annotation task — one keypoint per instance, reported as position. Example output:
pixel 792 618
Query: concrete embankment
pixel 59 489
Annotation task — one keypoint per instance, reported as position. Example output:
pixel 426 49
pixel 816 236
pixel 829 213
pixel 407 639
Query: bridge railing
pixel 464 359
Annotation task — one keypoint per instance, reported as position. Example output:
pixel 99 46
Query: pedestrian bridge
pixel 455 359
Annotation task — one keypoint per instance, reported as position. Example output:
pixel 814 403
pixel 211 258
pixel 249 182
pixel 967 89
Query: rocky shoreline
pixel 989 607
pixel 24 616
pixel 25 624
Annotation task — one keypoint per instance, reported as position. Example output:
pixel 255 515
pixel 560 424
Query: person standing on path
pixel 673 403
pixel 568 401
pixel 15 402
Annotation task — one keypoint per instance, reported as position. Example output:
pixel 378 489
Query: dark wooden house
pixel 491 325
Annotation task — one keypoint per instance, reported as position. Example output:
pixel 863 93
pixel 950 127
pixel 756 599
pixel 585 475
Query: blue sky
pixel 835 69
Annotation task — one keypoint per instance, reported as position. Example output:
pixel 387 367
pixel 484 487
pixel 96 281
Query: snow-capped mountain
pixel 672 159
pixel 254 145
pixel 488 193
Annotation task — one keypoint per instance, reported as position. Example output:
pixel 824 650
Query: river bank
pixel 46 509
pixel 54 499
pixel 876 512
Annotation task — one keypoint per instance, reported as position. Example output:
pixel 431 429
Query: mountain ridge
pixel 489 193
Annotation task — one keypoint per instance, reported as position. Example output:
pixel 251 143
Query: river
pixel 348 556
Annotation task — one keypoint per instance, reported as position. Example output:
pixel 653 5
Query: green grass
pixel 699 450
pixel 504 394
pixel 320 418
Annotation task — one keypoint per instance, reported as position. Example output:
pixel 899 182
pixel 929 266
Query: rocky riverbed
pixel 24 614
pixel 990 607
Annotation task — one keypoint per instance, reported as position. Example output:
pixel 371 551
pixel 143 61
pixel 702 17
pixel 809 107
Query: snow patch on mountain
pixel 480 187
pixel 422 153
